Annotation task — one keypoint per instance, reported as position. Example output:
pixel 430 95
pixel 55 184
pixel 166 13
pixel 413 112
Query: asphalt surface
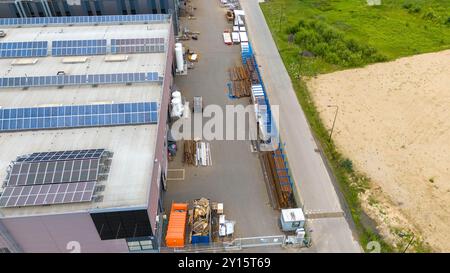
pixel 308 168
pixel 236 177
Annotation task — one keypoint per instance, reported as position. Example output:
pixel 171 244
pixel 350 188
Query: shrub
pixel 332 45
pixel 347 164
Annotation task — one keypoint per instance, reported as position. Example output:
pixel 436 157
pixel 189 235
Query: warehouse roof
pixel 133 146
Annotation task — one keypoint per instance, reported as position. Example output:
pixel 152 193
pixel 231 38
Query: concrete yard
pixel 236 177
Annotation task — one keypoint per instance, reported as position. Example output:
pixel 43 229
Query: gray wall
pixel 42 8
pixel 52 233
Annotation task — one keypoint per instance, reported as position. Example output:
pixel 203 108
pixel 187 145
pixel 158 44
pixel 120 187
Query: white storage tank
pixel 179 57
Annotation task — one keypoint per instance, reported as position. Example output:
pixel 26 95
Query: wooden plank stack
pixel 240 78
pixel 189 152
pixel 250 66
pixel 197 153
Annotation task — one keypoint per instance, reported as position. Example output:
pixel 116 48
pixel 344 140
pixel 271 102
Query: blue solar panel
pixel 82 20
pixel 137 45
pixel 19 119
pixel 78 47
pixel 23 49
pixel 79 79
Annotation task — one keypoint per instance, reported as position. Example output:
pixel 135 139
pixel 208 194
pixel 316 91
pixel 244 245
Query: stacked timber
pixel 241 83
pixel 250 66
pixel 197 153
pixel 189 152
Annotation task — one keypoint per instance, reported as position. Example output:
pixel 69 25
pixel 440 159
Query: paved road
pixel 236 178
pixel 307 166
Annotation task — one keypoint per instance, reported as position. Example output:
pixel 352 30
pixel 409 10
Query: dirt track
pixel 394 123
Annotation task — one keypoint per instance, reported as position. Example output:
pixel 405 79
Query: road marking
pixel 175 174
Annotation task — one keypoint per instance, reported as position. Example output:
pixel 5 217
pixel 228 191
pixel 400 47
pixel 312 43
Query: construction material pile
pixel 241 82
pixel 189 152
pixel 197 153
pixel 201 212
pixel 250 66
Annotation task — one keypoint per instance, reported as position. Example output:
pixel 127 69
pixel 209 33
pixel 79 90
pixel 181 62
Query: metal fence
pixel 235 245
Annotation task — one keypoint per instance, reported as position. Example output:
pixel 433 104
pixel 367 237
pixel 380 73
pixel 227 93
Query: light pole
pixel 334 121
pixel 281 15
pixel 409 243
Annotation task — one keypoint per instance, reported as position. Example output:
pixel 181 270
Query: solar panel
pixel 53 172
pixel 62 155
pixel 47 194
pixel 78 47
pixel 18 119
pixel 23 49
pixel 80 79
pixel 84 20
pixel 137 45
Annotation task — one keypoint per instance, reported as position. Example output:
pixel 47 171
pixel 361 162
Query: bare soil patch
pixel 394 124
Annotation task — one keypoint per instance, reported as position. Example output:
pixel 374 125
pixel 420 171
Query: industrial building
pixel 83 128
pixel 53 8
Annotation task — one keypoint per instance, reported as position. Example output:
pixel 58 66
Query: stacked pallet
pixel 241 82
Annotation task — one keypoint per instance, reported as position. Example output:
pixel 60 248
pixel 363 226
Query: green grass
pixel 395 29
pixel 355 35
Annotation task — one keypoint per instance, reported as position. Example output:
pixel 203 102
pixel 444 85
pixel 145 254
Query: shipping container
pixel 176 230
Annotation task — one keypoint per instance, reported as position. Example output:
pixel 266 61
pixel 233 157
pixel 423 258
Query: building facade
pixel 83 131
pixel 49 8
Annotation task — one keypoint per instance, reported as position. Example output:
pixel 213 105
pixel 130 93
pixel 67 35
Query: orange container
pixel 176 230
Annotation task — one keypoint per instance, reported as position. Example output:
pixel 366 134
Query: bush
pixel 430 15
pixel 347 164
pixel 332 45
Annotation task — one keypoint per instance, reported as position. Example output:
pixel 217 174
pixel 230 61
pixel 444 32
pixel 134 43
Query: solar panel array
pixel 58 117
pixel 53 172
pixel 83 20
pixel 137 45
pixel 62 155
pixel 47 194
pixel 78 47
pixel 23 49
pixel 60 80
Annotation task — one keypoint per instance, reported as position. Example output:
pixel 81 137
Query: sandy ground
pixel 394 124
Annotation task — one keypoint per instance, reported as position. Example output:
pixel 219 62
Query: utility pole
pixel 334 121
pixel 281 14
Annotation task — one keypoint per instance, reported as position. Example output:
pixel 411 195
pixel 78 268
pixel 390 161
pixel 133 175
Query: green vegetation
pixel 331 29
pixel 348 33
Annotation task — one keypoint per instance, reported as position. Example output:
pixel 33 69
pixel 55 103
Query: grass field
pixel 344 34
pixel 395 29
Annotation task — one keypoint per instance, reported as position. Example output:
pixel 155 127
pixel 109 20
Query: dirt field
pixel 394 124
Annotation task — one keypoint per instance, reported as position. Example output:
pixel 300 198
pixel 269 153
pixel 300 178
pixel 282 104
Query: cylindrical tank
pixel 179 57
pixel 176 94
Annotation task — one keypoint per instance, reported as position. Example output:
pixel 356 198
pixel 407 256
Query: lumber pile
pixel 189 152
pixel 241 82
pixel 197 153
pixel 250 66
